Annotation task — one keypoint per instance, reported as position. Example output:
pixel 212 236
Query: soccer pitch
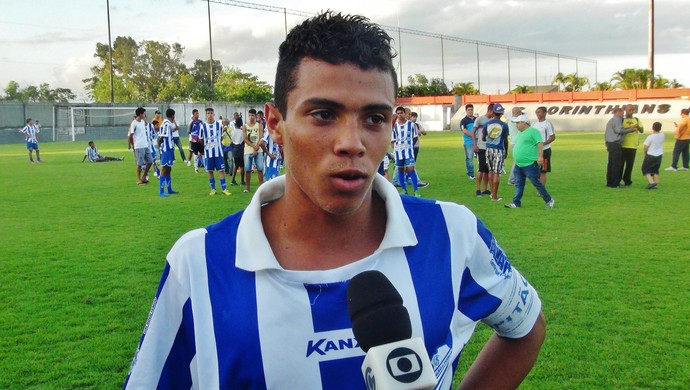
pixel 84 247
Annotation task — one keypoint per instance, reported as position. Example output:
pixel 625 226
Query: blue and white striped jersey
pixel 227 315
pixel 92 153
pixel 30 132
pixel 211 134
pixel 274 149
pixel 166 133
pixel 403 139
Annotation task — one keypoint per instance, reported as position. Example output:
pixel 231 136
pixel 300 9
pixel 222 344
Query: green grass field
pixel 83 247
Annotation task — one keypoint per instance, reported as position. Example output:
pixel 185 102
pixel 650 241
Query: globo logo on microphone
pixel 404 365
pixel 369 379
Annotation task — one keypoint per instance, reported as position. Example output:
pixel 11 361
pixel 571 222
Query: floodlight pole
pixel 210 45
pixel 650 82
pixel 508 47
pixel 110 56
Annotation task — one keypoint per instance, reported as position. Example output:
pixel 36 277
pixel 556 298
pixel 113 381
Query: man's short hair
pixel 399 108
pixel 169 113
pixel 336 39
pixel 656 126
pixel 209 109
pixel 252 111
pixel 28 120
pixel 259 112
pixel 139 111
pixel 154 122
pixel 615 110
pixel 90 143
pixel 194 111
pixel 469 105
pixel 414 114
pixel 490 107
pixel 543 108
pixel 685 111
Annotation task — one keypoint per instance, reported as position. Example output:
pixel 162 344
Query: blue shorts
pixel 257 160
pixel 31 145
pixel 405 162
pixel 167 158
pixel 214 163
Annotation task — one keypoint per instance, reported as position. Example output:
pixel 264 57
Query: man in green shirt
pixel 630 143
pixel 528 154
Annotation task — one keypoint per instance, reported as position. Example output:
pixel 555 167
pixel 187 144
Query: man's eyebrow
pixel 327 103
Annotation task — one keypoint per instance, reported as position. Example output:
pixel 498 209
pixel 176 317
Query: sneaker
pixel 226 192
pixel 122 158
pixel 213 192
pixel 163 194
pixel 155 174
pixel 233 183
pixel 496 199
pixel 196 170
pixel 395 184
pixel 172 192
pixel 422 184
pixel 511 206
pixel 416 194
pixel 471 177
pixel 486 192
pixel 680 169
pixel 146 179
pixel 189 163
pixel 549 204
pixel 479 193
pixel 670 169
pixel 245 191
pixel 511 183
pixel 651 186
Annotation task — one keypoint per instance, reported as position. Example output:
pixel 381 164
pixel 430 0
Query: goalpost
pixel 92 116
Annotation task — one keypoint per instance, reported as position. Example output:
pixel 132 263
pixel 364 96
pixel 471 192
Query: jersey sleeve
pixel 166 354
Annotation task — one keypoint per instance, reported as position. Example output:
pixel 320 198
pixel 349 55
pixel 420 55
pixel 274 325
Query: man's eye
pixel 376 119
pixel 323 115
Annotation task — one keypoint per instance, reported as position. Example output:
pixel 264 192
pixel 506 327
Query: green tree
pixel 420 85
pixel 602 86
pixel 574 83
pixel 12 91
pixel 461 89
pixel 235 86
pixel 521 89
pixel 559 80
pixel 42 93
pixel 631 78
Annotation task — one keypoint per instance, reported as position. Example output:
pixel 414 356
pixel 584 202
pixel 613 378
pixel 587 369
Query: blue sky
pixel 54 42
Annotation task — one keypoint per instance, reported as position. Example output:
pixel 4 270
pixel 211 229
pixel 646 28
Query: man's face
pixel 210 117
pixel 235 116
pixel 252 118
pixel 195 115
pixel 629 111
pixel 522 126
pixel 470 111
pixel 541 114
pixel 156 126
pixel 619 113
pixel 400 116
pixel 335 133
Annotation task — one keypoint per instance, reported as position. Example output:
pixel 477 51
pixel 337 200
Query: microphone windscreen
pixel 376 311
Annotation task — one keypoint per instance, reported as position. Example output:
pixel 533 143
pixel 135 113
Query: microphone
pixel 381 325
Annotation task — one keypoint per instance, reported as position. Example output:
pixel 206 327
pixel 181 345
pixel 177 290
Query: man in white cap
pixel 528 154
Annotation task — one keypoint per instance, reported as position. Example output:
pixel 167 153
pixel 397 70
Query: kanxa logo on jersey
pixel 499 262
pixel 324 346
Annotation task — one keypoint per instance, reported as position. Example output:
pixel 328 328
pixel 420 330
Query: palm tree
pixel 602 86
pixel 631 78
pixel 574 83
pixel 461 89
pixel 559 80
pixel 675 84
pixel 521 89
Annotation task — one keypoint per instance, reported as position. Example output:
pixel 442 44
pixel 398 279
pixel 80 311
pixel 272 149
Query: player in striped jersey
pixel 209 136
pixel 92 154
pixel 258 300
pixel 273 158
pixel 404 137
pixel 30 132
pixel 152 132
pixel 166 144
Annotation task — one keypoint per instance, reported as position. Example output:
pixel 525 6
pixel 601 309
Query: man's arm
pixel 515 357
pixel 540 148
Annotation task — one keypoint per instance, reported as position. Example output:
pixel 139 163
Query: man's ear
pixel 274 122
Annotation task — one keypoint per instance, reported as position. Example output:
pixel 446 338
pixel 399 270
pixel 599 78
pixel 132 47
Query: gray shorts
pixel 143 156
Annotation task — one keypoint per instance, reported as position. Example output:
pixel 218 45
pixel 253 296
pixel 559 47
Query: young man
pixel 196 149
pixel 176 138
pixel 528 154
pixel 252 132
pixel 166 145
pixel 653 151
pixel 681 147
pixel 237 138
pixel 495 135
pixel 259 300
pixel 140 142
pixel 548 134
pixel 480 149
pixel 513 133
pixel 152 130
pixel 613 135
pixel 630 142
pixel 92 154
pixel 30 132
pixel 404 137
pixel 209 136
pixel 412 117
pixel 466 125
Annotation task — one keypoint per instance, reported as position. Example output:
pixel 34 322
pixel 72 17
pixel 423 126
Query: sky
pixel 45 41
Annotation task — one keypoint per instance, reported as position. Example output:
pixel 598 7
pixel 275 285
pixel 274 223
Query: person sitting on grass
pixel 92 154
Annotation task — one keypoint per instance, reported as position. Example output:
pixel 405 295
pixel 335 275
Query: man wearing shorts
pixel 138 137
pixel 30 132
pixel 404 137
pixel 209 136
pixel 548 134
pixel 252 133
pixel 166 144
pixel 495 134
pixel 196 149
pixel 480 149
